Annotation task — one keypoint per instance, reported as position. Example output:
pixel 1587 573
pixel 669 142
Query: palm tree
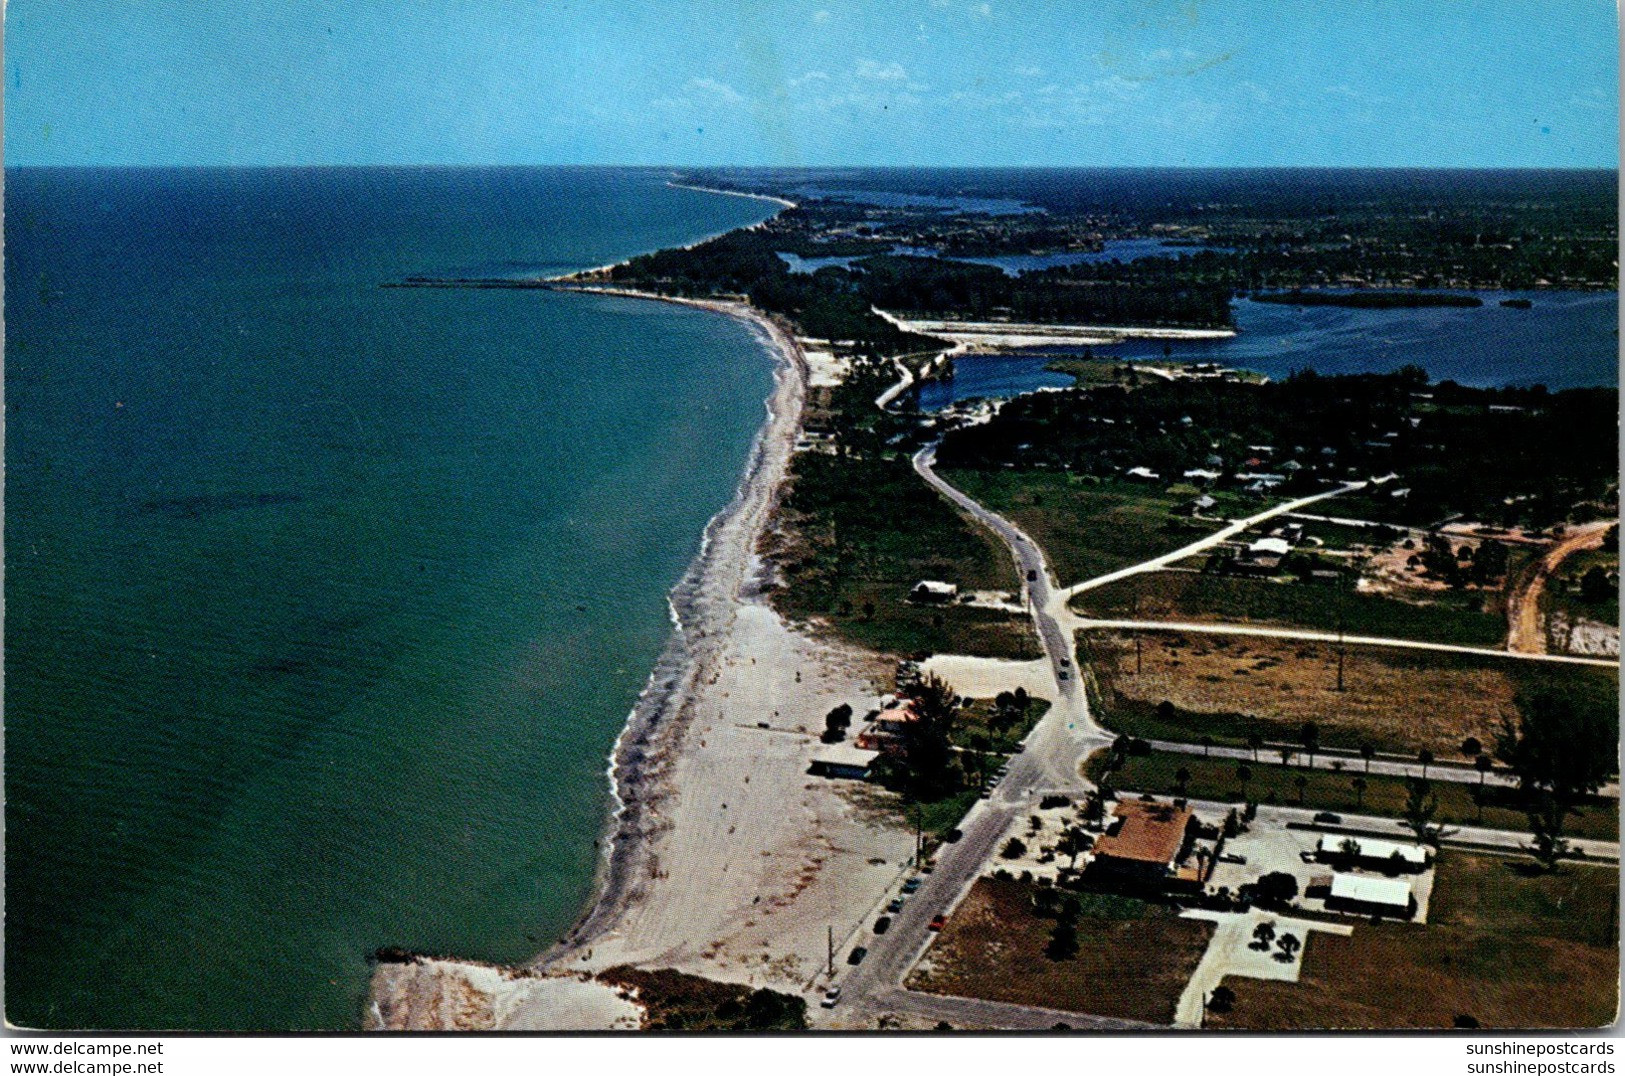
pixel 1288 944
pixel 1207 744
pixel 1244 773
pixel 1359 792
pixel 1303 783
pixel 1471 748
pixel 1255 741
pixel 1264 934
pixel 1484 764
pixel 1309 736
pixel 1286 756
pixel 1182 777
pixel 1368 751
pixel 1425 757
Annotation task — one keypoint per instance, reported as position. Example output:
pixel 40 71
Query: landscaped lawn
pixel 1133 962
pixel 1326 790
pixel 1506 946
pixel 1089 526
pixel 1203 598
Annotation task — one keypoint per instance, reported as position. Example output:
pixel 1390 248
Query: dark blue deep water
pixel 325 601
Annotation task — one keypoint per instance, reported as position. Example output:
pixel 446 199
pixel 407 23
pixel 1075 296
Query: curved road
pixel 1049 762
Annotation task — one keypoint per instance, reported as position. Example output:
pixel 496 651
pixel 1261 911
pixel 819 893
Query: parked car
pixel 1231 857
pixel 831 996
pixel 1327 818
pixel 895 906
pixel 938 922
pixel 883 924
pixel 912 884
pixel 856 956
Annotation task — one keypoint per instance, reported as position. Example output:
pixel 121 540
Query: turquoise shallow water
pixel 326 601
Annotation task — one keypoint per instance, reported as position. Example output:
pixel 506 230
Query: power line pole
pixel 1341 649
pixel 831 960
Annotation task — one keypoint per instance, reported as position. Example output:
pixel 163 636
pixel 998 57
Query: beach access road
pixel 1049 762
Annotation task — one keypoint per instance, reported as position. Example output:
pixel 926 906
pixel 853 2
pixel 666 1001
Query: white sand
pixel 446 995
pixel 725 858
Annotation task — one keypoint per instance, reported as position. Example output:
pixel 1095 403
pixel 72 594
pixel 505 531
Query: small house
pixel 1364 895
pixel 932 590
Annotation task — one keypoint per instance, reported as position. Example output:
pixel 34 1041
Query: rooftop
pixel 1148 833
pixel 1392 892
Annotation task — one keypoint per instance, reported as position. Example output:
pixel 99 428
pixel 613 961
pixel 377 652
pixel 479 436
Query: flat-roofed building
pixel 843 760
pixel 1365 895
pixel 1371 853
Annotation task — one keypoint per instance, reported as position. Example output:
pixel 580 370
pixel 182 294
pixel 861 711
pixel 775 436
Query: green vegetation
pixel 1268 781
pixel 1505 455
pixel 1204 597
pixel 1503 946
pixel 1109 956
pixel 1563 747
pixel 1369 300
pixel 1087 526
pixel 679 1002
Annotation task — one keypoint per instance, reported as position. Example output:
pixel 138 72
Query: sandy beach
pixel 723 857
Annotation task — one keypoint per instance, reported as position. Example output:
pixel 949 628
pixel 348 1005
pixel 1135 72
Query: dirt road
pixel 1526 631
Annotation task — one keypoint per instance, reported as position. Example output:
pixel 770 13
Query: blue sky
pixel 813 82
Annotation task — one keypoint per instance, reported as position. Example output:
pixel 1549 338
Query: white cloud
pixel 892 72
pixel 984 10
pixel 820 16
pixel 1030 72
pixel 720 91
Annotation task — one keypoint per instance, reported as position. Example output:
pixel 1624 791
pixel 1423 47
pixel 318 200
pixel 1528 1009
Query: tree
pixel 1349 849
pixel 1288 944
pixel 1359 792
pixel 1483 763
pixel 1309 736
pixel 1302 783
pixel 836 722
pixel 1276 887
pixel 1207 745
pixel 1244 773
pixel 1014 848
pixel 1165 711
pixel 1073 843
pixel 1471 748
pixel 1182 777
pixel 1594 586
pixel 1420 806
pixel 1425 757
pixel 1223 999
pixel 1256 742
pixel 1562 748
pixel 1286 756
pixel 926 748
pixel 1063 941
pixel 1264 934
pixel 1368 751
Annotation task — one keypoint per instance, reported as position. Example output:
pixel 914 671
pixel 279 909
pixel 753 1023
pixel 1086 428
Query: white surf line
pixel 1211 540
pixel 1086 624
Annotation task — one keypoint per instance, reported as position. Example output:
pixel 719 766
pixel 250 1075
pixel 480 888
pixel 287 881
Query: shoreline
pixel 701 607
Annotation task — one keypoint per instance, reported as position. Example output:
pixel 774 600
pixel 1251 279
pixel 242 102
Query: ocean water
pixel 1565 340
pixel 325 601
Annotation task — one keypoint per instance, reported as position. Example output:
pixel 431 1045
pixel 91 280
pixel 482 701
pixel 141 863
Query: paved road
pixel 1192 627
pixel 1470 836
pixel 976 1014
pixel 1209 542
pixel 1353 765
pixel 1050 760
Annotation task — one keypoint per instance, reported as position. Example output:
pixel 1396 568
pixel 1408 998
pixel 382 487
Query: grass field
pixel 852 538
pixel 1087 526
pixel 1134 958
pixel 1201 598
pixel 1233 687
pixel 1506 946
pixel 1326 790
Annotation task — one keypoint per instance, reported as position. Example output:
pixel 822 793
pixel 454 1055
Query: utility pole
pixel 1341 649
pixel 832 951
pixel 1136 616
pixel 919 840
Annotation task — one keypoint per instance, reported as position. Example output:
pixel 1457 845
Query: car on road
pixel 1231 857
pixel 831 996
pixel 856 956
pixel 883 924
pixel 1065 675
pixel 1327 818
pixel 938 922
pixel 895 906
pixel 1032 575
pixel 912 884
